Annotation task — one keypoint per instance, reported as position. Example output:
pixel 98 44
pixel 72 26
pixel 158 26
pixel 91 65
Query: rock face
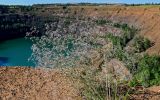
pixel 16 21
pixel 118 70
pixel 14 26
pixel 144 18
pixel 19 83
pixel 17 25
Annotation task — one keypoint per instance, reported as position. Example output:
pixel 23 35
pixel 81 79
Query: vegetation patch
pixel 56 49
pixel 142 44
pixel 148 71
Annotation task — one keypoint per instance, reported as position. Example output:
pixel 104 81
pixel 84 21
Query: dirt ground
pixel 19 83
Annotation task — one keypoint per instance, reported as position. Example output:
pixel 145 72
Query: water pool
pixel 16 52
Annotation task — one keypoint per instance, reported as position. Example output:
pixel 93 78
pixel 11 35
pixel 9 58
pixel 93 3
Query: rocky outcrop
pixel 17 25
pixel 15 21
pixel 118 70
pixel 14 26
pixel 151 93
pixel 144 18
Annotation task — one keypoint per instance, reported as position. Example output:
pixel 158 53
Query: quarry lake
pixel 15 52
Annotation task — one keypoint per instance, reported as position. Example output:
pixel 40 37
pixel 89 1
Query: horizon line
pixel 151 3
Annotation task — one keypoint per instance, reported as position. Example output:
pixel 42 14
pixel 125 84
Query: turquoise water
pixel 15 52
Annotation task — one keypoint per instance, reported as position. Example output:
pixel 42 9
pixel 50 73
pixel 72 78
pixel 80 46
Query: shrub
pixel 148 71
pixel 101 22
pixel 129 33
pixel 93 89
pixel 64 7
pixel 82 9
pixel 142 44
pixel 125 27
pixel 117 25
pixel 95 9
pixel 116 40
pixel 67 22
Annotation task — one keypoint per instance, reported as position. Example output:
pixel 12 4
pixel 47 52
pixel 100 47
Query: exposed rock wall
pixel 14 26
pixel 142 17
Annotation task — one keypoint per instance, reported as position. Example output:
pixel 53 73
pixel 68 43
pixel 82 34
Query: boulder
pixel 117 69
pixel 101 41
pixel 107 47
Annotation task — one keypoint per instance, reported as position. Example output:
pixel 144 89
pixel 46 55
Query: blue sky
pixel 30 2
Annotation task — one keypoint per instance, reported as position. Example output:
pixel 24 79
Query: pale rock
pixel 117 69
